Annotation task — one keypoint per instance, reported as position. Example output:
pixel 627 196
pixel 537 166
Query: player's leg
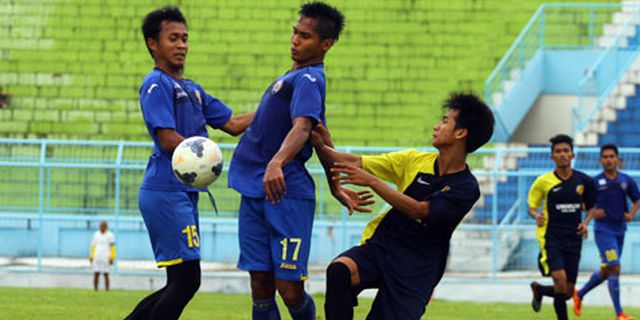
pixel 183 281
pixel 255 257
pixel 342 278
pixel 612 258
pixel 546 259
pixel 96 278
pixel 596 278
pixel 106 281
pixel 560 293
pixel 291 222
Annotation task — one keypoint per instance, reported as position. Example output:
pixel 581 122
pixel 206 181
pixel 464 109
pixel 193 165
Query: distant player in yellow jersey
pixel 404 251
pixel 562 195
pixel 102 254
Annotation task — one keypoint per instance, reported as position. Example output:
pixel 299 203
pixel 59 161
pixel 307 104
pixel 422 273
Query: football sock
pixel 547 291
pixel 305 310
pixel 593 282
pixel 144 307
pixel 614 291
pixel 265 309
pixel 183 280
pixel 560 305
pixel 338 299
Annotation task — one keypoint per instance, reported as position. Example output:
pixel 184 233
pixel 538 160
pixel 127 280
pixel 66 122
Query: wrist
pixel 275 163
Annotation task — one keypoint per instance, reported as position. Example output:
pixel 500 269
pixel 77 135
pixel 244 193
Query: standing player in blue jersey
pixel 562 194
pixel 612 214
pixel 174 108
pixel 267 168
pixel 404 251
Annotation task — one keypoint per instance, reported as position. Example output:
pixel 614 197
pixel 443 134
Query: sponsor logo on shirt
pixel 556 189
pixel 568 207
pixel 288 266
pixel 420 181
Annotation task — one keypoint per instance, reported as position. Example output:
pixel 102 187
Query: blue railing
pixel 552 26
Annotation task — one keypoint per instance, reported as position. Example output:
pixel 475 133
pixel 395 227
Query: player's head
pixel 468 122
pixel 315 32
pixel 609 157
pixel 104 226
pixel 562 150
pixel 166 37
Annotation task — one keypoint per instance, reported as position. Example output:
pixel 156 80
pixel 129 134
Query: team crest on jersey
pixel 198 96
pixel 276 87
pixel 580 189
pixel 179 91
pixel 445 189
pixel 602 182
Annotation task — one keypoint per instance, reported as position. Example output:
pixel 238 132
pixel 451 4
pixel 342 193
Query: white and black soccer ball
pixel 197 162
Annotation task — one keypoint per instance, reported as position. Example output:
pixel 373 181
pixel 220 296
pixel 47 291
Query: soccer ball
pixel 197 162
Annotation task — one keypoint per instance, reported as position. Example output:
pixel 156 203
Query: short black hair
pixel 152 23
pixel 473 115
pixel 330 20
pixel 609 146
pixel 561 138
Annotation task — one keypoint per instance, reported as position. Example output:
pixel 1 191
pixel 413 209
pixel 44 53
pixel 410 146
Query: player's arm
pixel 349 198
pixel 351 174
pixel 628 216
pixel 169 139
pixel 238 124
pixel 321 139
pixel 274 184
pixel 634 195
pixel 92 251
pixel 534 199
pixel 589 201
pixel 112 253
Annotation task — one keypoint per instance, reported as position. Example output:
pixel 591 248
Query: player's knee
pixel 613 270
pixel 263 285
pixel 338 275
pixel 291 295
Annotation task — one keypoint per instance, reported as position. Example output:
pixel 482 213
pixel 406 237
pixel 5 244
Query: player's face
pixel 609 160
pixel 172 45
pixel 562 155
pixel 306 45
pixel 445 132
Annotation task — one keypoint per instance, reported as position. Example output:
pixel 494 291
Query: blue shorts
pixel 276 237
pixel 172 221
pixel 610 247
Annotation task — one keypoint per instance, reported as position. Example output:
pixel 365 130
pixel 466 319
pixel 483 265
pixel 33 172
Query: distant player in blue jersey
pixel 562 194
pixel 173 109
pixel 404 251
pixel 267 168
pixel 612 214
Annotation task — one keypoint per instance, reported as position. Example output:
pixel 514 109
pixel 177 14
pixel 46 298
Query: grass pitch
pixel 30 303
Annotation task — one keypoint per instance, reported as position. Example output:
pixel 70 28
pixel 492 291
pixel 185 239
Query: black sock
pixel 183 280
pixel 547 291
pixel 144 307
pixel 560 305
pixel 338 303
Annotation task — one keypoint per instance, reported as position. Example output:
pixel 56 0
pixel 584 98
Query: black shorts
pixel 554 258
pixel 405 280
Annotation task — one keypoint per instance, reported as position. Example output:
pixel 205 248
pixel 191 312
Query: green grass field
pixel 29 303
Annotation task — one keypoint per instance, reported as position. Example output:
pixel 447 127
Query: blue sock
pixel 593 282
pixel 305 310
pixel 265 309
pixel 614 291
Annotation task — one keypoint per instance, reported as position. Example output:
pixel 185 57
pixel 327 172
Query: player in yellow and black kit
pixel 562 194
pixel 404 251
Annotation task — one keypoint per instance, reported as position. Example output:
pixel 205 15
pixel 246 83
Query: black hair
pixel 330 20
pixel 609 146
pixel 561 138
pixel 473 115
pixel 152 23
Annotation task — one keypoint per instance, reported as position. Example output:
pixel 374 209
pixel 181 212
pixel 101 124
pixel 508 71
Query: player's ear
pixel 326 44
pixel 152 44
pixel 461 133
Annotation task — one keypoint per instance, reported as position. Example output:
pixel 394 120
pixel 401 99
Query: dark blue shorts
pixel 405 279
pixel 556 258
pixel 172 221
pixel 610 247
pixel 276 237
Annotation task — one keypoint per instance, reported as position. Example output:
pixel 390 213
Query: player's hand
pixel 599 214
pixel 628 217
pixel 354 200
pixel 350 174
pixel 110 261
pixel 539 219
pixel 583 231
pixel 273 182
pixel 90 260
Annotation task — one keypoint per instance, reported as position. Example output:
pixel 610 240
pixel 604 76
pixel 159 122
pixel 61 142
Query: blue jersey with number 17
pixel 612 197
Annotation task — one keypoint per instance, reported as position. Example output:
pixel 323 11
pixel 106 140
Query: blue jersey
pixel 299 93
pixel 182 105
pixel 612 197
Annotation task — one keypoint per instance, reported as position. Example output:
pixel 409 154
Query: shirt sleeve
pixel 535 194
pixel 112 238
pixel 216 113
pixel 632 190
pixel 388 166
pixel 156 100
pixel 589 195
pixel 307 98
